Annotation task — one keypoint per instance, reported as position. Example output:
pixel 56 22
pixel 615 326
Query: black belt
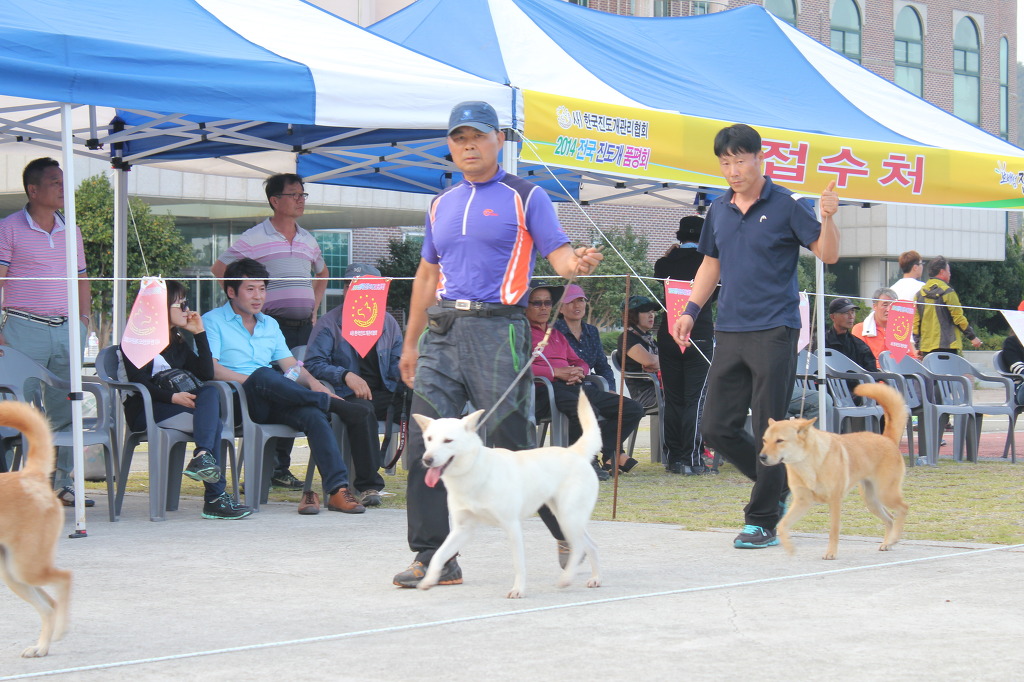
pixel 48 320
pixel 482 308
pixel 292 323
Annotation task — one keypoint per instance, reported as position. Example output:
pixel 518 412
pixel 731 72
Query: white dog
pixel 501 487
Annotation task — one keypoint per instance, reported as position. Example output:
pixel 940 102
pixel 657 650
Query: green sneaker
pixel 755 537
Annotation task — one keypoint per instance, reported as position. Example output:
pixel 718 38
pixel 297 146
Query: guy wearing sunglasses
pixel 290 254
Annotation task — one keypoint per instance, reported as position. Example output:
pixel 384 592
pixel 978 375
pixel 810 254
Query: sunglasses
pixel 181 304
pixel 542 304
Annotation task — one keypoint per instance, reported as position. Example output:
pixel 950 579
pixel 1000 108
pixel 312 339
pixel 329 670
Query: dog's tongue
pixel 433 476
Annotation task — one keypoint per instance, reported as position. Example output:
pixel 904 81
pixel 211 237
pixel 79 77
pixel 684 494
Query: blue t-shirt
pixel 235 348
pixel 758 254
pixel 485 236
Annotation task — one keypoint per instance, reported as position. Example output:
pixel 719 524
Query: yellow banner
pixel 669 147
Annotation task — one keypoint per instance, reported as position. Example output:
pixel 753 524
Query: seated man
pixel 243 342
pixel 843 312
pixel 567 371
pixel 372 381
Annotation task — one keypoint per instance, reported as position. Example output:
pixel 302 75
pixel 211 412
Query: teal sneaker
pixel 755 537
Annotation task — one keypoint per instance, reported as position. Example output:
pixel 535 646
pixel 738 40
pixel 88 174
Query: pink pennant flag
pixel 805 323
pixel 899 329
pixel 147 332
pixel 677 293
pixel 362 318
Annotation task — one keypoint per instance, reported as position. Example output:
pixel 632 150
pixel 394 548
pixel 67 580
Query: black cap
pixel 479 115
pixel 642 304
pixel 841 305
pixel 689 228
pixel 360 270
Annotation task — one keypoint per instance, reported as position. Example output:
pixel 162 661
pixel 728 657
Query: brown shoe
pixel 309 504
pixel 344 501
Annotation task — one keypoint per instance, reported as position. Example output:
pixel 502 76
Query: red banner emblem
pixel 362 318
pixel 899 329
pixel 147 332
pixel 677 294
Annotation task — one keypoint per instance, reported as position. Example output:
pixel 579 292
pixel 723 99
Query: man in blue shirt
pixel 751 242
pixel 244 342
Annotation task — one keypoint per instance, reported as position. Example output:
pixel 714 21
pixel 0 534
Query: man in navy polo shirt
pixel 751 241
pixel 479 249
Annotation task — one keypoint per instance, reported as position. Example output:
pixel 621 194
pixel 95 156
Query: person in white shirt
pixel 906 288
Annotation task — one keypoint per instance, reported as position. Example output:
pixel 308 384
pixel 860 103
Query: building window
pixel 909 51
pixel 662 8
pixel 783 9
pixel 581 3
pixel 846 29
pixel 967 71
pixel 1004 88
pixel 336 247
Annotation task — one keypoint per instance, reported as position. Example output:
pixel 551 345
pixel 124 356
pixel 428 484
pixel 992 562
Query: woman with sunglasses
pixel 198 413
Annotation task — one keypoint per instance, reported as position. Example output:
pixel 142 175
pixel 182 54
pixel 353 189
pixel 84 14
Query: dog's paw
pixel 425 585
pixel 35 652
pixel 828 556
pixel 515 594
pixel 884 547
pixel 594 582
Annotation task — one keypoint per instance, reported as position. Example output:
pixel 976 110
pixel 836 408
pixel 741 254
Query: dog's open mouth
pixel 434 473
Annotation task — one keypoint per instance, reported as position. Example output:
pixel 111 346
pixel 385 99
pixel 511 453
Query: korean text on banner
pixel 362 318
pixel 671 147
pixel 898 339
pixel 147 332
pixel 677 293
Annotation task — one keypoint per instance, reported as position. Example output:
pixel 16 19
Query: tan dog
pixel 823 467
pixel 31 519
pixel 501 488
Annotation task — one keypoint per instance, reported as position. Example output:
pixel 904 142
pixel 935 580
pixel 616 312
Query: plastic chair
pixel 656 413
pixel 933 396
pixel 18 369
pixel 950 363
pixel 166 446
pixel 558 422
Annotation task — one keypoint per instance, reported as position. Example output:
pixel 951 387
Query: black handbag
pixel 177 381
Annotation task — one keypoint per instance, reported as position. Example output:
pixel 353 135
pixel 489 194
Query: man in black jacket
pixel 843 314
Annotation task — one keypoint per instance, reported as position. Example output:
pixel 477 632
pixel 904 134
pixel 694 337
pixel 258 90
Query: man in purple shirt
pixel 471 285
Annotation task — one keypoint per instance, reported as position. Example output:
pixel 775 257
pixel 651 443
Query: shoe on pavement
pixel 66 495
pixel 371 498
pixel 755 537
pixel 285 479
pixel 344 501
pixel 203 467
pixel 225 509
pixel 451 574
pixel 309 504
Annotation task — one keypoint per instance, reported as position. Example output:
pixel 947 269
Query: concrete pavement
pixel 281 596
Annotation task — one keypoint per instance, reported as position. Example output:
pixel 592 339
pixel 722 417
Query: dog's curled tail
pixel 30 422
pixel 892 402
pixel 589 443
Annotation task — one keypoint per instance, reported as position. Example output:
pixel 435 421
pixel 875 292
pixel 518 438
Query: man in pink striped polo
pixel 35 319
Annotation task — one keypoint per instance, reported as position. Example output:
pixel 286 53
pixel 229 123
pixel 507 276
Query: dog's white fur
pixel 500 487
pixel 31 519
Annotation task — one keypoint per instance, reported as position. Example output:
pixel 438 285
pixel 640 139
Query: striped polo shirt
pixel 290 291
pixel 485 236
pixel 30 251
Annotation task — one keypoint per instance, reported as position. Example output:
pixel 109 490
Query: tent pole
pixel 74 321
pixel 819 332
pixel 120 287
pixel 510 153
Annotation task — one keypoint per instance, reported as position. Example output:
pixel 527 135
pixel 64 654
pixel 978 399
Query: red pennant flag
pixel 899 329
pixel 362 319
pixel 147 332
pixel 677 294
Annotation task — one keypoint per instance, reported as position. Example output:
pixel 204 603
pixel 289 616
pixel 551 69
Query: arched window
pixel 846 29
pixel 967 71
pixel 1004 88
pixel 909 51
pixel 783 9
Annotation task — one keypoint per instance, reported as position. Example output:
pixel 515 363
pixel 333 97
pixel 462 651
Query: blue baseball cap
pixel 479 115
pixel 360 269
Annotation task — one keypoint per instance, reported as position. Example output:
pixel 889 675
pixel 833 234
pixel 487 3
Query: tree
pixel 991 284
pixel 158 245
pixel 402 260
pixel 607 294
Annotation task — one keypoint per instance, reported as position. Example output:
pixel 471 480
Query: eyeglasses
pixel 920 262
pixel 542 304
pixel 180 304
pixel 294 195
